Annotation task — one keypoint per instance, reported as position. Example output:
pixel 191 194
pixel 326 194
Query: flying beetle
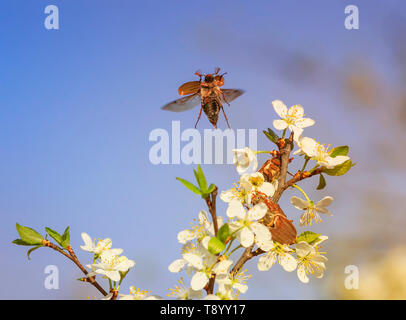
pixel 206 92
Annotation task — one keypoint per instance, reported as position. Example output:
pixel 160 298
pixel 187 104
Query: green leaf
pixel 201 179
pixel 340 169
pixel 308 236
pixel 211 188
pixel 66 238
pixel 216 246
pixel 271 135
pixel 224 232
pixel 31 250
pixel 20 242
pixel 28 235
pixel 190 186
pixel 322 182
pixel 54 235
pixel 339 151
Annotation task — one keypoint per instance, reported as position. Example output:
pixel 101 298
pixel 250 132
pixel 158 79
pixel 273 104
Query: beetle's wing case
pixel 189 88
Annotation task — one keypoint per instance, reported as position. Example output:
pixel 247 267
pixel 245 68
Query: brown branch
pixel 211 204
pixel 301 176
pixel 71 256
pixel 246 255
pixel 284 151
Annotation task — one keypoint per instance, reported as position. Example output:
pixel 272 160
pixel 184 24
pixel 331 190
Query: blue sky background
pixel 77 106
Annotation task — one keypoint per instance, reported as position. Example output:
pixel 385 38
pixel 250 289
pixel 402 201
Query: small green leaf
pixel 271 135
pixel 54 235
pixel 66 238
pixel 224 232
pixel 31 250
pixel 211 188
pixel 216 246
pixel 308 236
pixel 190 186
pixel 339 151
pixel 201 179
pixel 322 182
pixel 340 169
pixel 20 242
pixel 28 235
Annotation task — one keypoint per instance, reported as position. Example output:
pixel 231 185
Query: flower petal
pixel 288 262
pixel 177 265
pixel 326 201
pixel 257 211
pixel 88 242
pixel 198 281
pixel 267 188
pixel 266 262
pixel 299 203
pixel 280 108
pixel 241 287
pixel 280 124
pixel 235 209
pixel 301 274
pixel 195 260
pixel 304 123
pixel 227 195
pixel 245 237
pixel 185 236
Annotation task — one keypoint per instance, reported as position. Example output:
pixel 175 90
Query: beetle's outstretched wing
pixel 189 88
pixel 231 94
pixel 183 104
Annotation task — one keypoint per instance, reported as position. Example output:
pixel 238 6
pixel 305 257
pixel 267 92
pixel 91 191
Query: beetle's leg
pixel 201 108
pixel 225 117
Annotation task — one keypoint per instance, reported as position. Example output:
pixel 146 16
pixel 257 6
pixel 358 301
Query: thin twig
pixel 71 256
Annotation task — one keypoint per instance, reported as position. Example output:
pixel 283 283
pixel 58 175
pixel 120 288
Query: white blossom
pixel 102 245
pixel 246 227
pixel 321 154
pixel 280 252
pixel 137 294
pixel 245 159
pixel 292 118
pixel 182 292
pixel 312 210
pixel 111 265
pixel 310 261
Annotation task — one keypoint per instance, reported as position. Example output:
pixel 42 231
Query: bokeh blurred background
pixel 77 106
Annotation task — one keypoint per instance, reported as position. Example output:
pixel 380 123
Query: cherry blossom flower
pixel 310 261
pixel 203 229
pixel 245 159
pixel 292 118
pixel 111 265
pixel 280 252
pixel 312 210
pixel 246 227
pixel 255 182
pixel 97 249
pixel 137 294
pixel 182 292
pixel 320 153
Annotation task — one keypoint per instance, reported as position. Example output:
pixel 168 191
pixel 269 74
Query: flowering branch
pixel 72 256
pixel 255 224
